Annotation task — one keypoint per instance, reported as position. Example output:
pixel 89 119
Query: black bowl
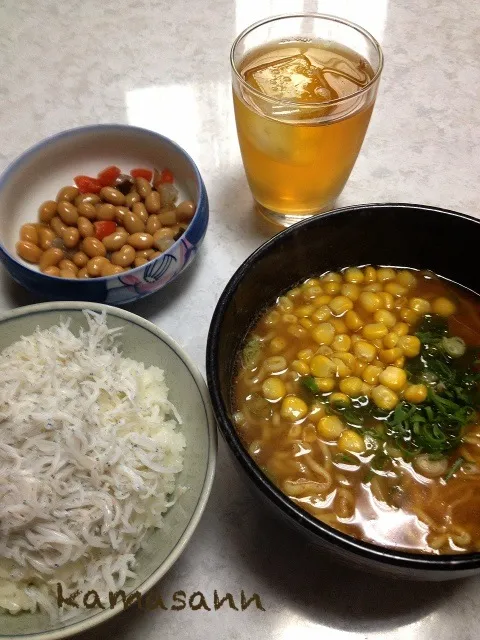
pixel 383 234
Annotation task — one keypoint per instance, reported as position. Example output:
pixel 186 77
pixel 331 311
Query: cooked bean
pixel 132 223
pixel 153 224
pixel 47 210
pixel 120 214
pixel 162 234
pixel 93 247
pixel 83 273
pixel 71 237
pixel 67 273
pixel 131 198
pixel 185 210
pixel 80 259
pixel 50 258
pixel 52 271
pixel 85 227
pixel 95 266
pixel 154 255
pixel 140 211
pixel 46 236
pixel 29 233
pixel 110 269
pixel 87 210
pixel 140 240
pixel 67 194
pixel 178 231
pixel 67 264
pixel 115 240
pixel 112 195
pixel 143 187
pixel 153 202
pixel 139 262
pixel 67 212
pixel 165 243
pixel 58 226
pixel 145 253
pixel 106 212
pixel 124 257
pixel 28 251
pixel 90 198
pixel 168 217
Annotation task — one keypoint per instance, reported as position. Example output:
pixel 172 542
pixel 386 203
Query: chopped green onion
pixel 454 346
pixel 454 468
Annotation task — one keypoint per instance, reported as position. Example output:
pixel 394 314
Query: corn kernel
pixel 384 397
pixel 388 356
pixel 400 362
pixel 323 333
pixel 359 367
pixel 394 378
pixel 305 354
pixel 330 427
pixel 317 410
pixel 321 300
pixel 339 325
pixel 339 399
pixel 324 350
pixel 333 288
pixel 289 318
pixel 311 282
pixel 385 317
pixel 347 358
pixel 294 293
pixel 401 329
pixel 341 342
pixel 311 292
pixel 297 331
pixel 353 321
pixel 385 273
pixel 342 370
pixel 272 318
pixel 309 433
pixel 409 316
pixel 391 340
pixel 353 275
pixel 410 345
pixel 275 364
pixel 374 331
pixel 401 302
pixel 367 389
pixel 356 338
pixel 350 290
pixel 277 345
pixel 321 314
pixel 322 367
pixel 374 287
pixel 371 373
pixel 420 305
pixel 351 386
pixel 331 276
pixel 388 301
pixel 351 441
pixel 364 351
pixel 415 393
pixel 406 278
pixel 370 301
pixel 306 323
pixel 293 408
pixel 378 363
pixel 273 388
pixel 304 310
pixel 443 306
pixel 396 289
pixel 325 384
pixel 340 305
pixel 370 274
pixel 301 367
pixel 285 304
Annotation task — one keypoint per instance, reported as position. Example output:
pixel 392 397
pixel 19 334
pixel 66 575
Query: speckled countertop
pixel 164 65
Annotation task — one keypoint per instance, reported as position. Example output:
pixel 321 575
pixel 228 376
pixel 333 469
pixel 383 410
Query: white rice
pixel 89 452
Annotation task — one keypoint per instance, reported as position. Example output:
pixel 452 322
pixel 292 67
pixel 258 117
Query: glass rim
pixel 325 16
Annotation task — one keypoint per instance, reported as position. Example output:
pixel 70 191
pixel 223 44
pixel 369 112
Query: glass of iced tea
pixel 304 87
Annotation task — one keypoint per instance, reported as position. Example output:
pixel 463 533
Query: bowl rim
pixel 37 147
pixel 83 625
pixel 329 535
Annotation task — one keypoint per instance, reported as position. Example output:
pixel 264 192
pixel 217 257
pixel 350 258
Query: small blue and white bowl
pixel 39 173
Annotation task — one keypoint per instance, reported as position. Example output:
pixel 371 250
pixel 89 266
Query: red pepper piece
pixel 142 173
pixel 104 228
pixel 86 184
pixel 108 176
pixel 166 176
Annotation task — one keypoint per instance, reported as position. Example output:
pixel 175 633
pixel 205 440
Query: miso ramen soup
pixel 357 393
